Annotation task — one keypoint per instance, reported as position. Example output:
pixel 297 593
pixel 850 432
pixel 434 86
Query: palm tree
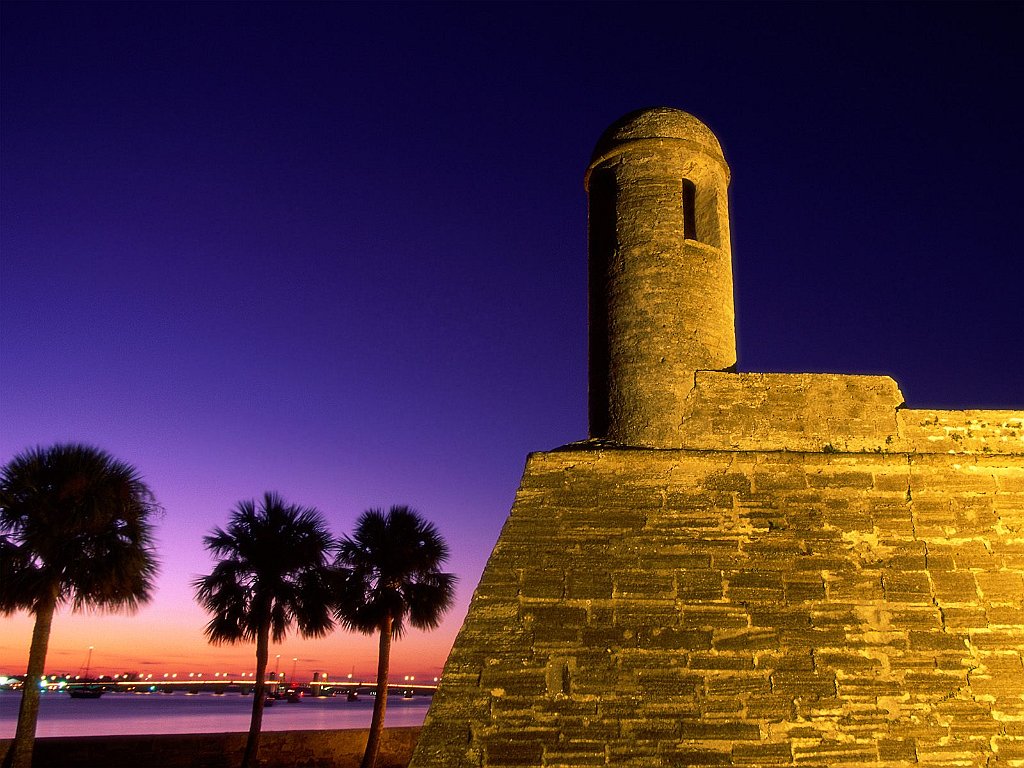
pixel 273 572
pixel 75 527
pixel 389 572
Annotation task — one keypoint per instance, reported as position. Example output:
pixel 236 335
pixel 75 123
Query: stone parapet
pixel 937 431
pixel 788 411
pixel 832 413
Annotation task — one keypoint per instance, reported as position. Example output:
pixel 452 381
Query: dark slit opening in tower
pixel 689 210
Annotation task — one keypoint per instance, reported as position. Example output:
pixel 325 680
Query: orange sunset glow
pixel 159 641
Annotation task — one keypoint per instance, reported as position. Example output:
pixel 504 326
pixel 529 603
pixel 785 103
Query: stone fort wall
pixel 737 569
pixel 750 607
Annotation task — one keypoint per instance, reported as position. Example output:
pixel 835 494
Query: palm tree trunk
pixel 381 699
pixel 259 697
pixel 19 754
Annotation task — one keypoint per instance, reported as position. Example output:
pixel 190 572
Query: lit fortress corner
pixel 737 568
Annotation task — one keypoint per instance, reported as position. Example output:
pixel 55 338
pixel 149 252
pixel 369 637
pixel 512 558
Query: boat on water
pixel 85 692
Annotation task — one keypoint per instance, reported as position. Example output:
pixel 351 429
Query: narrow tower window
pixel 689 210
pixel 603 244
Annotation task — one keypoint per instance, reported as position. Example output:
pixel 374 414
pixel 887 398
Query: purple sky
pixel 339 251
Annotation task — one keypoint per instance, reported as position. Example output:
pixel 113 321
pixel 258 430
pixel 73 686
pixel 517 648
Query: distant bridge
pixel 334 687
pixel 214 685
pixel 245 686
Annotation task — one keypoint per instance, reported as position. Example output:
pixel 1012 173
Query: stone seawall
pixel 278 749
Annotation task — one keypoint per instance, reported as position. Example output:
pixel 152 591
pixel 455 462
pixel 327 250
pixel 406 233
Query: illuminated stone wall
pixel 684 607
pixel 759 570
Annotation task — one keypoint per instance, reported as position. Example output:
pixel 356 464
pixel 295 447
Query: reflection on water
pixel 136 713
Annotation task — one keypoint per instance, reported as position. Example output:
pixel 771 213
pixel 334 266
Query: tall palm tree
pixel 273 572
pixel 75 527
pixel 389 573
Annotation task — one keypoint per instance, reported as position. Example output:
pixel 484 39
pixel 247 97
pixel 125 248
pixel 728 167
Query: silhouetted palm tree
pixel 273 572
pixel 388 573
pixel 75 527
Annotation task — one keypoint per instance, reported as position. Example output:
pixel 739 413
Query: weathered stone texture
pixel 660 288
pixel 683 607
pixel 796 412
pixel 738 569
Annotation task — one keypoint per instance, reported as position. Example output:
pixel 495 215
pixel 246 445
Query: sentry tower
pixel 661 294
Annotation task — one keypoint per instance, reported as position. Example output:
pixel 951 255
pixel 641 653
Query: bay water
pixel 179 712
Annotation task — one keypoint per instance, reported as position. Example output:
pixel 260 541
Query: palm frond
pixel 429 598
pixel 390 568
pixel 268 552
pixel 81 522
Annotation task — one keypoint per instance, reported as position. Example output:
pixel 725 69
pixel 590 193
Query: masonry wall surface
pixel 750 607
pixel 738 569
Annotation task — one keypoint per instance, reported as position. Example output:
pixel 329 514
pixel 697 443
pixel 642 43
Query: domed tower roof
pixel 657 123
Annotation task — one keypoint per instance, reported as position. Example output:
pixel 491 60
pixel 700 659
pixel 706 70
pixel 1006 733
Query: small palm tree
pixel 389 572
pixel 273 572
pixel 75 527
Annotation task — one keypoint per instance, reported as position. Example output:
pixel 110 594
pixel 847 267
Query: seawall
pixel 278 749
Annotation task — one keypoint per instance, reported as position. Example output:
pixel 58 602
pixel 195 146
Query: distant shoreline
pixel 144 714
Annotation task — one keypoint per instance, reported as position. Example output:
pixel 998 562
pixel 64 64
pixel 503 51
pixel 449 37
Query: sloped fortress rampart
pixel 737 569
